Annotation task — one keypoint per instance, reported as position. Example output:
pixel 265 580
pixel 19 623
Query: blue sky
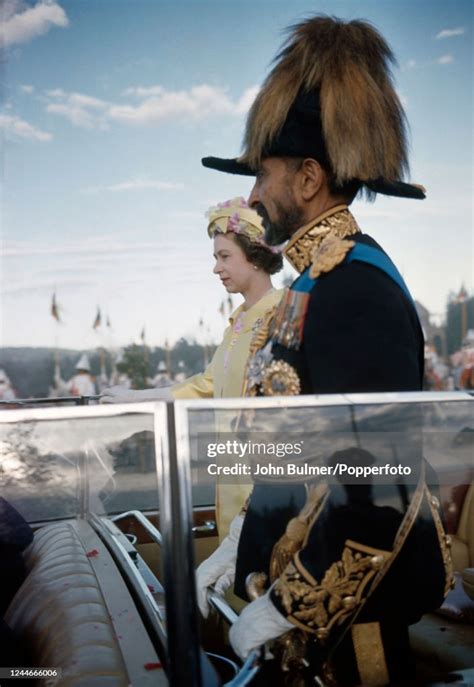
pixel 107 108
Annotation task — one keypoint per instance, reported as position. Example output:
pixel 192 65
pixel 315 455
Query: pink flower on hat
pixel 237 217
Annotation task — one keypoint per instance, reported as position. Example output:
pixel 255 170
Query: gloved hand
pixel 120 394
pixel 219 568
pixel 258 623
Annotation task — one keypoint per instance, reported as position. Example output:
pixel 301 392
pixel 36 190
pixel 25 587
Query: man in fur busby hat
pixel 327 125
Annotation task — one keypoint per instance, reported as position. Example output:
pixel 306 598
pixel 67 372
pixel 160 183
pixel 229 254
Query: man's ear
pixel 311 177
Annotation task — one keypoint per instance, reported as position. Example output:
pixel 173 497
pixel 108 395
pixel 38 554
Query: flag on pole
pixel 98 320
pixel 55 309
pixel 142 335
pixel 108 322
pixel 230 305
pixel 462 295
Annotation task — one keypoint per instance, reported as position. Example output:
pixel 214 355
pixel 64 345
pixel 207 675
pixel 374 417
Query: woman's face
pixel 232 266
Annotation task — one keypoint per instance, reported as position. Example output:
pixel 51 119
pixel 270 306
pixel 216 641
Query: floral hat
pixel 237 217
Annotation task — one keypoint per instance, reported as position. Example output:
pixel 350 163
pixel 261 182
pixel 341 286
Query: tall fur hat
pixel 330 96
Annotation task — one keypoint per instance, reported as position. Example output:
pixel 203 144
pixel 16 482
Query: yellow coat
pixel 224 377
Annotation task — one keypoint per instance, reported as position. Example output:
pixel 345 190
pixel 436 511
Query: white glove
pixel 120 394
pixel 258 623
pixel 219 568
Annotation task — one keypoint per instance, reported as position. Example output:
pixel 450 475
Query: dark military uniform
pixel 352 578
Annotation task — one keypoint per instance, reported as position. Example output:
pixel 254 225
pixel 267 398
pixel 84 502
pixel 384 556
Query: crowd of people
pixel 453 373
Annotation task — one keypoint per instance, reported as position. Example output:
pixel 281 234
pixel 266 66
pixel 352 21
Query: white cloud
pixel 81 100
pixel 16 127
pixel 445 59
pixel 200 101
pixel 26 88
pixel 246 100
pixel 56 93
pixel 450 33
pixel 155 105
pixel 143 91
pixel 23 24
pixel 81 110
pixel 138 185
pixel 76 115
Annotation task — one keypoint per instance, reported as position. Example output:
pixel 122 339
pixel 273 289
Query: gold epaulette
pixel 329 254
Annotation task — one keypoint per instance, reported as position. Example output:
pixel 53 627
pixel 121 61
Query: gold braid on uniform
pixel 444 540
pixel 322 243
pixel 296 530
pixel 261 334
pixel 290 649
pixel 261 331
pixel 317 606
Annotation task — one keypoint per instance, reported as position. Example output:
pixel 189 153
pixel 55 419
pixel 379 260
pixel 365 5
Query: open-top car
pixel 121 500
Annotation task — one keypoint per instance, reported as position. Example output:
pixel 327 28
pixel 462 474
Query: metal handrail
pixel 249 667
pixel 58 400
pixel 134 575
pixel 222 607
pixel 153 531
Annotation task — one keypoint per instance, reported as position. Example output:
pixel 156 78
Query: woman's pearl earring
pixel 255 267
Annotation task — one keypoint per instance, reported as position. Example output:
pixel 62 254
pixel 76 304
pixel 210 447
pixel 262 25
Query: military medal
pixel 289 319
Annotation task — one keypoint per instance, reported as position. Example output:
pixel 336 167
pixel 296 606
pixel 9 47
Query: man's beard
pixel 289 220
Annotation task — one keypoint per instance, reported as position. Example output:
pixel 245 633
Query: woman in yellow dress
pixel 244 264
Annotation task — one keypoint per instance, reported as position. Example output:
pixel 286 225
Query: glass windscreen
pixel 59 463
pixel 350 442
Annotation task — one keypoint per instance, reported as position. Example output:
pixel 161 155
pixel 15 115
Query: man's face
pixel 274 199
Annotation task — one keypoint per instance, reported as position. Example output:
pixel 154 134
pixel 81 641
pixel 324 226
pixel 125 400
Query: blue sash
pixel 362 253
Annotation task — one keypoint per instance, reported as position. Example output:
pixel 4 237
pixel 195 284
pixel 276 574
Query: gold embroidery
pixel 337 222
pixel 370 654
pixel 280 379
pixel 316 608
pixel 444 542
pixel 261 332
pixel 255 363
pixel 292 541
pixel 290 651
pixel 328 255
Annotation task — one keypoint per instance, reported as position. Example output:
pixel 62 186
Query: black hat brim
pixel 229 165
pixel 398 189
